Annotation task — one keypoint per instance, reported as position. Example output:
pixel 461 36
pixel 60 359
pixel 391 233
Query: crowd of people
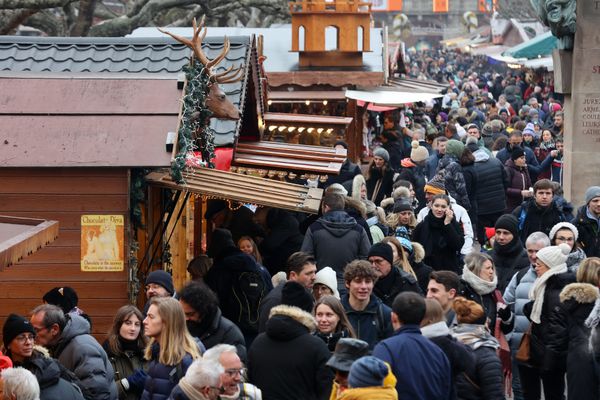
pixel 451 267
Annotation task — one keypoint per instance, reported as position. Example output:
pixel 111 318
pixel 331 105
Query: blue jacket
pixel 372 324
pixel 420 366
pixel 163 378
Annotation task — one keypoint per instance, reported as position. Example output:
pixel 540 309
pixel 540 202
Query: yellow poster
pixel 102 243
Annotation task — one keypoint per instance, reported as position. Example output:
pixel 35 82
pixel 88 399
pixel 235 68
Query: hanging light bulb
pixel 324 102
pixel 272 128
pixel 307 102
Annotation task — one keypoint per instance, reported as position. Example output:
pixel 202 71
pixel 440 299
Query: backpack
pixel 247 293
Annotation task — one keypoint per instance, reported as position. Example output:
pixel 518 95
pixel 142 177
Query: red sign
pixel 440 6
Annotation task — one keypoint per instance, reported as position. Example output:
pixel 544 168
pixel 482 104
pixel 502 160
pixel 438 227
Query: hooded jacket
pixel 334 240
pixel 569 336
pixel 372 324
pixel 589 232
pixel 286 361
pixel 80 353
pixel 50 376
pixel 492 181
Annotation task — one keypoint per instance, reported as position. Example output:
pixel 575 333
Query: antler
pixel 230 75
pixel 196 45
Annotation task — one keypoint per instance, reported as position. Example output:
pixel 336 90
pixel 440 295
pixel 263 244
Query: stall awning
pixel 303 95
pixel 243 188
pixel 539 46
pixel 19 237
pixel 296 158
pixel 390 97
pixel 306 119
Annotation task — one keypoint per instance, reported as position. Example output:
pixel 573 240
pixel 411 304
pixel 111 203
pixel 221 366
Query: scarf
pixel 480 286
pixel 475 336
pixel 548 145
pixel 435 330
pixel 191 392
pixel 129 345
pixel 536 293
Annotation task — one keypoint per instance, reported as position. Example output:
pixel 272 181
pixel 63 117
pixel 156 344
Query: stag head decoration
pixel 216 101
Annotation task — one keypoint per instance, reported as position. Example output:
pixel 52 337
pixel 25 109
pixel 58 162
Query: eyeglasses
pixel 564 239
pixel 234 371
pixel 25 338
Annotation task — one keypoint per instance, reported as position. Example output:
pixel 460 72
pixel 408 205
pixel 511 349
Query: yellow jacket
pixel 370 393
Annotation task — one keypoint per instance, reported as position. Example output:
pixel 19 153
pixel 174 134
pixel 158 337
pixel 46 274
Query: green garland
pixel 195 120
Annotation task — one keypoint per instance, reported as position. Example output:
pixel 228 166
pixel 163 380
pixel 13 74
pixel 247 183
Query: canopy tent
pixel 538 47
pixel 381 97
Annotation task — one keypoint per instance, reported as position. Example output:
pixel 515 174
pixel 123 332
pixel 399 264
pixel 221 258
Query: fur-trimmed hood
pixel 295 313
pixel 418 252
pixel 580 292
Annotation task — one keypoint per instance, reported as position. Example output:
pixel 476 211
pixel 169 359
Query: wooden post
pixel 178 244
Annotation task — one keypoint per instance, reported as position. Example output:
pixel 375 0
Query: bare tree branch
pixel 12 19
pixel 84 18
pixel 33 4
pixel 195 12
pixel 46 22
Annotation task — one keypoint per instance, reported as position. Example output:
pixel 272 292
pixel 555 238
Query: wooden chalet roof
pixel 243 189
pixel 294 158
pixel 20 237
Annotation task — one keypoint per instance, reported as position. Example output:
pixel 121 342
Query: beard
pixel 232 396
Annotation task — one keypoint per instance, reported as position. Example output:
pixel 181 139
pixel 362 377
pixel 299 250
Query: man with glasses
pixel 19 336
pixel 391 281
pixel 202 381
pixel 232 379
pixel 69 341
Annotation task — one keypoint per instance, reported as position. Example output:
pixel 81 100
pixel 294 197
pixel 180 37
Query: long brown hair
pixel 123 315
pixel 338 309
pixel 404 263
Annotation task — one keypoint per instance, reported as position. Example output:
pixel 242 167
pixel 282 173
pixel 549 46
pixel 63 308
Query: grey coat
pixel 519 295
pixel 80 353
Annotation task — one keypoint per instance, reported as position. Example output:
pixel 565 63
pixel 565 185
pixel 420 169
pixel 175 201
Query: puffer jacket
pixel 373 324
pixel 80 353
pixel 492 182
pixel 124 365
pixel 286 361
pixel 334 240
pixel 589 232
pixel 52 378
pixel 568 335
pixel 518 179
pixel 517 294
pixel 454 180
pixel 163 378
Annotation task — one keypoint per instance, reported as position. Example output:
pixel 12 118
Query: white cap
pixel 327 277
pixel 554 256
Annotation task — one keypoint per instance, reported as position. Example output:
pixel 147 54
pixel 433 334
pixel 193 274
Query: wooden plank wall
pixel 64 194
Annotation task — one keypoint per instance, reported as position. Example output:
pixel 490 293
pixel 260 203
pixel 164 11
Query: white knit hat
pixel 554 256
pixel 327 277
pixel 564 225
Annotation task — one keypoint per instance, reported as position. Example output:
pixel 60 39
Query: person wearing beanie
pixel 325 284
pixel 451 170
pixel 530 136
pixel 413 171
pixel 18 336
pixel 519 180
pixel 541 212
pixel 294 358
pixel 544 296
pixel 159 283
pixel 516 141
pixel 587 222
pixel 70 342
pixel 508 252
pixel 421 368
pixel 391 281
pixel 367 381
pixel 566 232
pixel 380 176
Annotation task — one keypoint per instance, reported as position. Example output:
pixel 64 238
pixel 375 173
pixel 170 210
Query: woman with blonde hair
pixel 125 346
pixel 171 349
pixel 570 336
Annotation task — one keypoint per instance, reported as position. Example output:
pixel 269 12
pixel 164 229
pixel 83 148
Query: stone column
pixel 582 119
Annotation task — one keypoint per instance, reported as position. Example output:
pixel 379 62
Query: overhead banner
pixel 440 6
pixel 102 243
pixel 386 5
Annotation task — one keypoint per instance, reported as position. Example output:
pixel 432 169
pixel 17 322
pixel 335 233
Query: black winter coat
pixel 396 152
pixel 533 218
pixel 282 240
pixel 442 242
pixel 396 282
pixel 508 260
pixel 415 175
pixel 221 330
pixel 50 376
pixel 487 302
pixel 589 233
pixel 348 171
pixel 541 334
pixel 486 373
pixel 460 356
pixel 379 184
pixel 569 336
pixel 491 184
pixel 288 363
pixel 472 185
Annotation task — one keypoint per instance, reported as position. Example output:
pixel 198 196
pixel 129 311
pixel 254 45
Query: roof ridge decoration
pixel 202 99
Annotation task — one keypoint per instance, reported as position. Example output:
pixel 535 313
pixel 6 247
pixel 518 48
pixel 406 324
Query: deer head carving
pixel 216 101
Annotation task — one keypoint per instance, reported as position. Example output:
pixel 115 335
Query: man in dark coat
pixel 69 340
pixel 420 366
pixel 283 238
pixel 205 321
pixel 433 160
pixel 540 213
pixel 286 361
pixel 587 222
pixel 516 140
pixel 391 280
pixel 508 253
pixel 335 239
pixel 348 171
